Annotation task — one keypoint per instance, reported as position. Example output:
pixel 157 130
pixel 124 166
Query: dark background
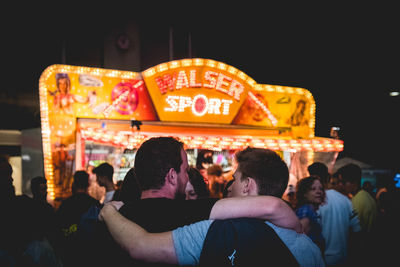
pixel 346 56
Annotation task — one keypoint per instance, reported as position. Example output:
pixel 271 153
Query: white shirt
pixel 337 218
pixel 109 196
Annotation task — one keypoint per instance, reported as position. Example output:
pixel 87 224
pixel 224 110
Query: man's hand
pixel 109 208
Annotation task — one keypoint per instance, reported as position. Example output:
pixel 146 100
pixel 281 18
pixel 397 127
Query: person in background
pixel 387 232
pixel 130 189
pixel 369 187
pixel 291 196
pixel 310 194
pixel 339 221
pixel 216 181
pixel 22 239
pixel 196 188
pixel 319 169
pixel 118 185
pixel 14 235
pixel 104 176
pixel 364 204
pixel 203 161
pixel 227 192
pixel 260 172
pixel 336 183
pixel 68 218
pixel 101 248
pixel 39 195
pixel 45 211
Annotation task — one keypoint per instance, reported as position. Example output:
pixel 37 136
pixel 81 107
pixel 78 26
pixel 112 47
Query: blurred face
pixel 100 180
pixel 216 179
pixel 183 176
pixel 219 179
pixel 189 191
pixel 350 188
pixel 203 172
pixel 316 194
pixel 336 183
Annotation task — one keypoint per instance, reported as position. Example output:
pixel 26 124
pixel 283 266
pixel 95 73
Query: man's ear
pixel 246 186
pixel 252 187
pixel 171 177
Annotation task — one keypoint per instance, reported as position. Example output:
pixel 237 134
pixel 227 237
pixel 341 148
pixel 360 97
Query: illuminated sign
pixel 197 91
pixel 199 105
pixel 212 80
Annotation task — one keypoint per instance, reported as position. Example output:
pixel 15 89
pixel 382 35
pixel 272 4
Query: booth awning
pixel 207 136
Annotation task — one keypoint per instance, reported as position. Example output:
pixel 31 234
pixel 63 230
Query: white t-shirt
pixel 337 218
pixel 109 196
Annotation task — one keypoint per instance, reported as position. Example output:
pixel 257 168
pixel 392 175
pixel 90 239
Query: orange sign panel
pixel 194 91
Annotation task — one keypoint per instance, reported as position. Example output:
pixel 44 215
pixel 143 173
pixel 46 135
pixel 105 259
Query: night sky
pixel 346 56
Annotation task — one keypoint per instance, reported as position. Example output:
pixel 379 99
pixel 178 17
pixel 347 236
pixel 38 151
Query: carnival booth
pixel 92 115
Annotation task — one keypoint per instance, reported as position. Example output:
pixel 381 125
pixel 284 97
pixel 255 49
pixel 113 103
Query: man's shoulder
pixel 364 198
pixel 78 201
pixel 362 194
pixel 283 231
pixel 334 196
pixel 291 237
pixel 302 247
pixel 170 213
pixel 89 199
pixel 165 203
pixel 244 241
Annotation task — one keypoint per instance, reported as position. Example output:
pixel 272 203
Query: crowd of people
pixel 167 213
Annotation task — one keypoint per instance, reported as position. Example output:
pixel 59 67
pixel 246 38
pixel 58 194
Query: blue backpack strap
pixel 244 242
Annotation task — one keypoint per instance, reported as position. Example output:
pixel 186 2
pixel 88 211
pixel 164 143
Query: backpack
pixel 244 242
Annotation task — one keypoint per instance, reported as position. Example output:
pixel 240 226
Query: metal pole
pixel 190 45
pixel 63 52
pixel 171 43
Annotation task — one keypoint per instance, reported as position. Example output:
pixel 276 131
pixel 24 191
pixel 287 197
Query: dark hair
pixel 63 76
pixel 225 191
pixel 36 182
pixel 104 169
pixel 201 158
pixel 336 175
pixel 81 180
pixel 198 183
pixel 130 189
pixel 266 167
pixel 215 169
pixel 319 169
pixel 351 173
pixel 153 160
pixel 303 186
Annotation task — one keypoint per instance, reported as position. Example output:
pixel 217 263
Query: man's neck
pixel 157 193
pixel 80 190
